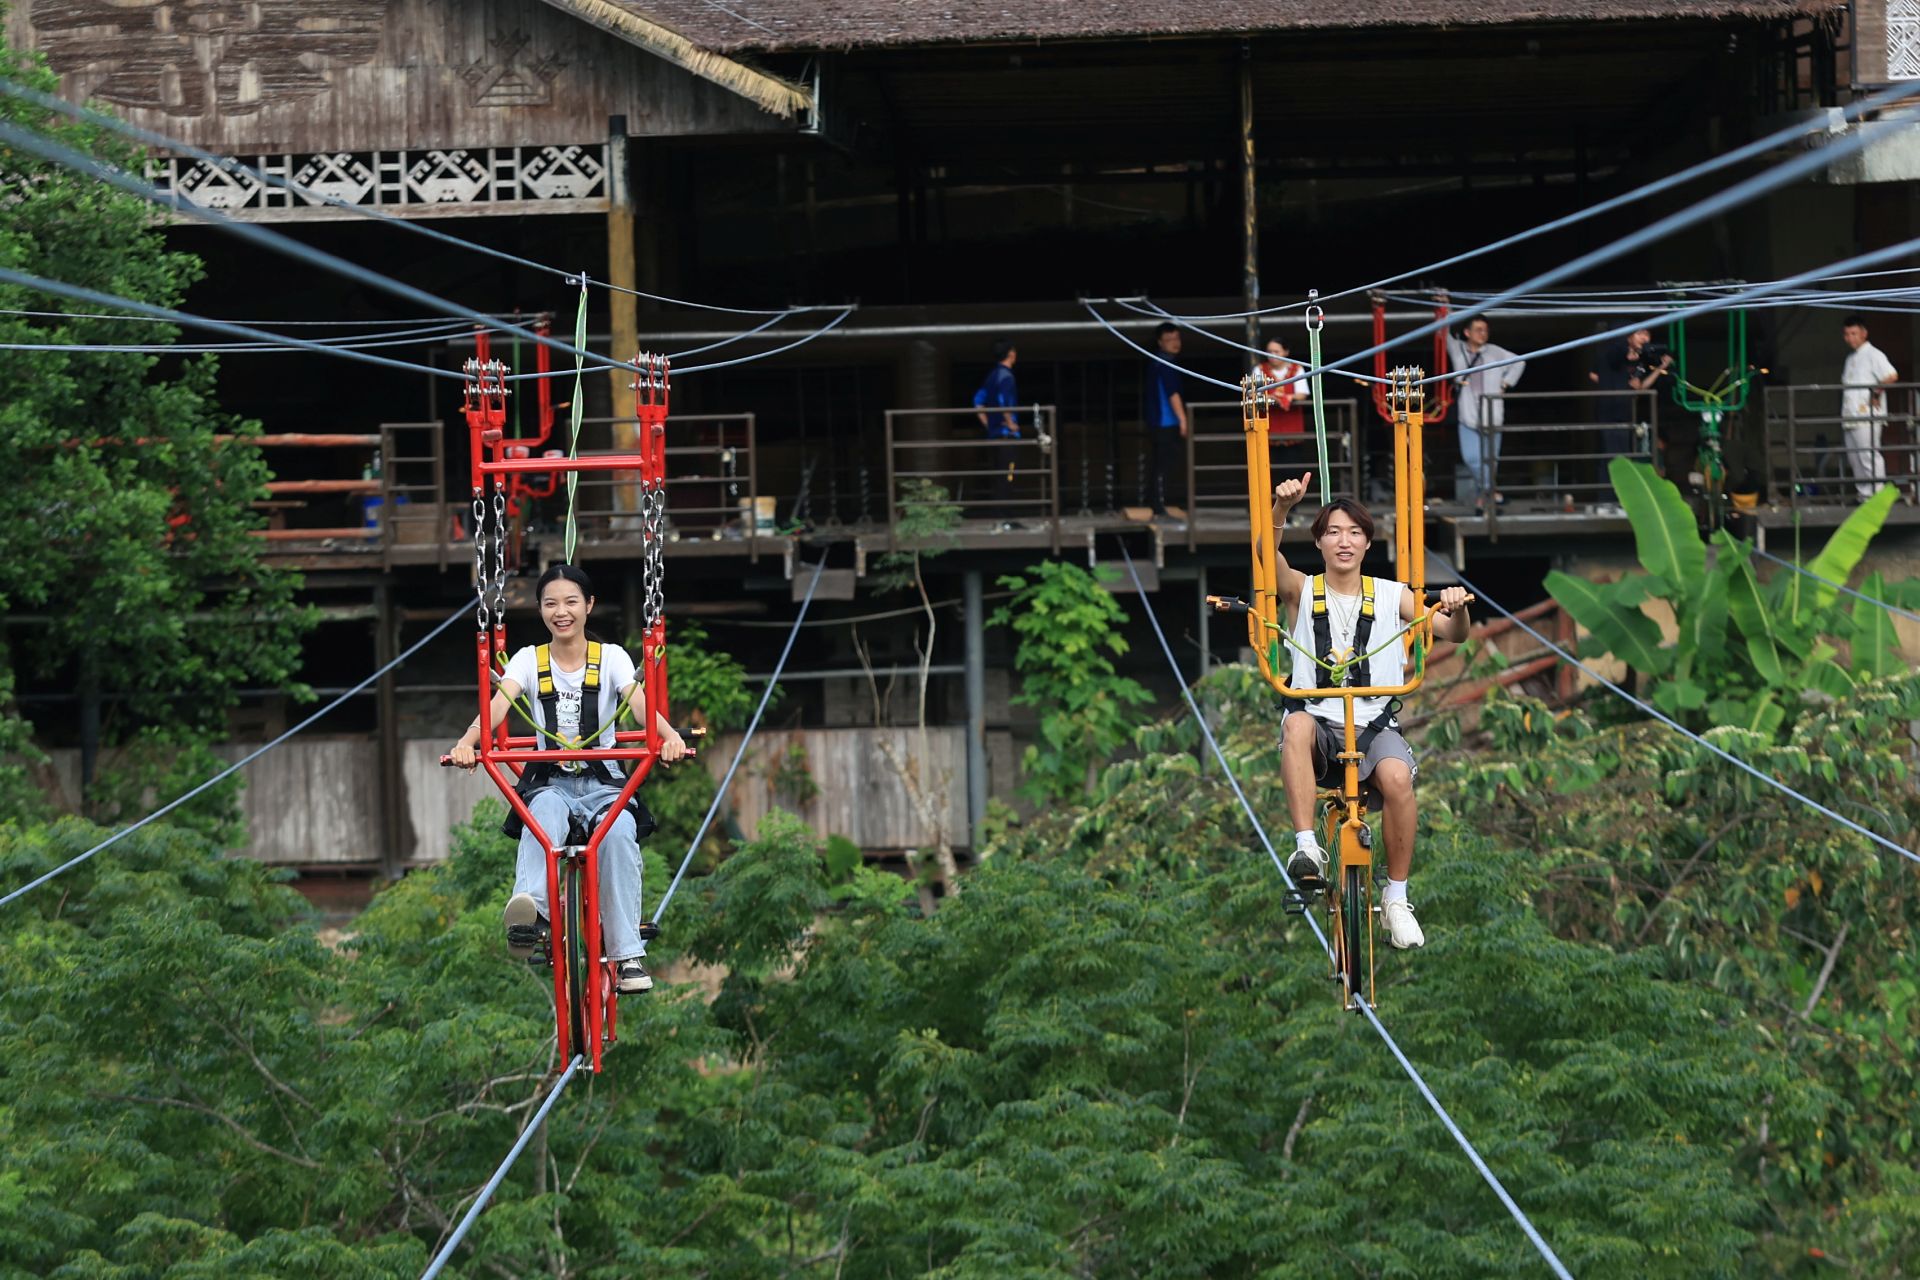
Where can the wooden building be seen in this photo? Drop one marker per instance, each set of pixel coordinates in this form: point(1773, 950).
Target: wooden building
point(963, 171)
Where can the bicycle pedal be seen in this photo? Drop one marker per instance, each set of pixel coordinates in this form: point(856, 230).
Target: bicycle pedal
point(1296, 902)
point(648, 931)
point(541, 957)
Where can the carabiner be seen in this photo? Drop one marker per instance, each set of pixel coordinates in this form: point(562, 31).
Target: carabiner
point(1316, 318)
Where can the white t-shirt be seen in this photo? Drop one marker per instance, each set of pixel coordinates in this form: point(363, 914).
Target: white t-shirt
point(616, 673)
point(1868, 365)
point(1481, 389)
point(1343, 613)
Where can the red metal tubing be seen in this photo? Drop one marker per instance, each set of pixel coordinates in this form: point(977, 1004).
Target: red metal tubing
point(557, 754)
point(522, 466)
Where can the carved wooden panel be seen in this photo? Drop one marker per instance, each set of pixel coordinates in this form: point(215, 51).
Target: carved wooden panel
point(305, 78)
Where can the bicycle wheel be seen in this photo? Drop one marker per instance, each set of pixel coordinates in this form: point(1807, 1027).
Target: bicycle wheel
point(574, 913)
point(1353, 931)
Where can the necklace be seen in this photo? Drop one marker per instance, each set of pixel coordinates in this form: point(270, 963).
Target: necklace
point(1345, 627)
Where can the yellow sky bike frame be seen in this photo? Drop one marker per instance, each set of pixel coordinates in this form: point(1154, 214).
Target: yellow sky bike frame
point(1266, 623)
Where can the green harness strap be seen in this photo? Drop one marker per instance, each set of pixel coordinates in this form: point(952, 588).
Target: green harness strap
point(576, 412)
point(1319, 407)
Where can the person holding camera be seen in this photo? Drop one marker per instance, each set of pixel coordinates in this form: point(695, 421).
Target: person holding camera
point(1637, 366)
point(1481, 405)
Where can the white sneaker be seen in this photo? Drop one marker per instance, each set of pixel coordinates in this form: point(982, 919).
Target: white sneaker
point(1402, 929)
point(1309, 862)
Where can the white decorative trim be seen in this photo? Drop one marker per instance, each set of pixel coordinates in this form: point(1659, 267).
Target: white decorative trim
point(458, 180)
point(1903, 39)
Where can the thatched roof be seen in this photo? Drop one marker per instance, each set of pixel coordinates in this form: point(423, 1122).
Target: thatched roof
point(728, 26)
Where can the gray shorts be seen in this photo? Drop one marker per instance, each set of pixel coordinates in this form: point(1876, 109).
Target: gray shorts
point(1330, 739)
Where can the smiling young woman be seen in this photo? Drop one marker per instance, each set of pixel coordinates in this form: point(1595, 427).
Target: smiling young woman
point(562, 671)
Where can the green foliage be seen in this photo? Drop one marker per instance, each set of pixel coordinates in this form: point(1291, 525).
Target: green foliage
point(791, 775)
point(128, 525)
point(1068, 628)
point(710, 689)
point(1113, 1055)
point(924, 528)
point(708, 684)
point(1654, 848)
point(1746, 653)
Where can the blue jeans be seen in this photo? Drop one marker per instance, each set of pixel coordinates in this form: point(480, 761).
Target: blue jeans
point(581, 796)
point(1477, 472)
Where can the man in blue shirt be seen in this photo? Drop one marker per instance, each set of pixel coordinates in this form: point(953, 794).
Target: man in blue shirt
point(1002, 428)
point(1166, 422)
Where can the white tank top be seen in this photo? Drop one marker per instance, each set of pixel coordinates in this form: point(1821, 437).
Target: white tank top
point(1343, 612)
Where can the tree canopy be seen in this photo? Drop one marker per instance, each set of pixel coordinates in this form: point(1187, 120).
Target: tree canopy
point(129, 530)
point(1113, 1055)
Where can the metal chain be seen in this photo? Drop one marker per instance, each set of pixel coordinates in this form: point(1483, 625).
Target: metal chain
point(482, 617)
point(499, 552)
point(654, 504)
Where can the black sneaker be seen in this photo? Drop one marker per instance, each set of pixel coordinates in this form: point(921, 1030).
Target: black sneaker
point(527, 929)
point(634, 978)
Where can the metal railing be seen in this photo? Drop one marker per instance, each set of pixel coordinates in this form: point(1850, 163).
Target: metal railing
point(1809, 461)
point(1217, 457)
point(919, 441)
point(413, 486)
point(713, 485)
point(1554, 450)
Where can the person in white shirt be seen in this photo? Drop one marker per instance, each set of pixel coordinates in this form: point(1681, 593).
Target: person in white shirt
point(1313, 733)
point(1479, 402)
point(556, 792)
point(1863, 405)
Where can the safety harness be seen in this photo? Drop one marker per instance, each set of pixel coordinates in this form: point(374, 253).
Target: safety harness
point(546, 727)
point(1360, 674)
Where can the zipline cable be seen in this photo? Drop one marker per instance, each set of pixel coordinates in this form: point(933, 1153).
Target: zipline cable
point(1480, 1165)
point(1840, 586)
point(237, 765)
point(1850, 114)
point(228, 164)
point(1675, 725)
point(422, 322)
point(499, 1175)
point(741, 753)
point(1730, 301)
point(81, 293)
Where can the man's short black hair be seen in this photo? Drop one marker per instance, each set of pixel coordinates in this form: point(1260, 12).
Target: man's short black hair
point(1853, 321)
point(1165, 329)
point(1001, 348)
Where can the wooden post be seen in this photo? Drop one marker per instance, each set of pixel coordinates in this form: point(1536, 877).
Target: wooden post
point(623, 307)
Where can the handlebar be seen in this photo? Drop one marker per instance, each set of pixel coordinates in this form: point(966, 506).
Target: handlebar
point(691, 731)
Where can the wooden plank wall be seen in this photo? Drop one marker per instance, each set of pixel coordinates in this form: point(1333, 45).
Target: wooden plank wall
point(314, 801)
point(302, 76)
point(861, 796)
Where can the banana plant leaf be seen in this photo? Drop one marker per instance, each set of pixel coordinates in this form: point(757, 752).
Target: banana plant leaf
point(1665, 533)
point(1627, 634)
point(1849, 542)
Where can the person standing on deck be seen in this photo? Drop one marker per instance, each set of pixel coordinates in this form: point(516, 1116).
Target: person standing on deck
point(998, 393)
point(1481, 407)
point(1863, 405)
point(1167, 422)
